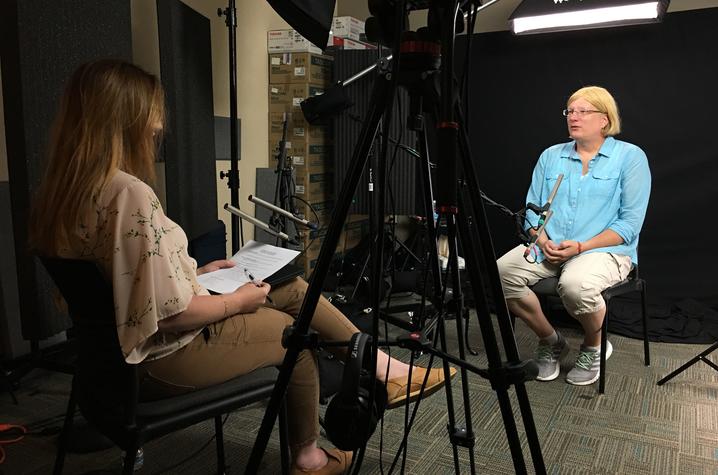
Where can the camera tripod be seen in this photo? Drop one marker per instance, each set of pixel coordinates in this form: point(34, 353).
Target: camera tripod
point(422, 65)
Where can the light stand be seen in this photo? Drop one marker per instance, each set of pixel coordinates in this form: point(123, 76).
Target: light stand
point(230, 14)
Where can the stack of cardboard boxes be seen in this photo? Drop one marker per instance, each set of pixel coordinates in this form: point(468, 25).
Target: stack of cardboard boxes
point(297, 70)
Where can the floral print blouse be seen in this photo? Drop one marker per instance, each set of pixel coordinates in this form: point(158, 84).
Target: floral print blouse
point(144, 255)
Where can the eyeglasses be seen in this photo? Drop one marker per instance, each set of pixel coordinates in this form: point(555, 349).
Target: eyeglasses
point(579, 112)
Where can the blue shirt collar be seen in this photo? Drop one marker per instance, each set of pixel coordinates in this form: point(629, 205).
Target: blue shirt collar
point(569, 150)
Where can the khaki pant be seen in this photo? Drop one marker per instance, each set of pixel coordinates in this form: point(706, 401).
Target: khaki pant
point(242, 343)
point(581, 278)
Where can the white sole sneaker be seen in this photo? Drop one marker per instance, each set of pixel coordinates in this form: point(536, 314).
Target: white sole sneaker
point(609, 351)
point(552, 376)
point(555, 374)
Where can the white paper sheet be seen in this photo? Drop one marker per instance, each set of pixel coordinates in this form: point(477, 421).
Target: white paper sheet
point(261, 260)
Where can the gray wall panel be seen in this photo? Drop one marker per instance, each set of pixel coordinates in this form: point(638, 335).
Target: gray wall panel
point(186, 64)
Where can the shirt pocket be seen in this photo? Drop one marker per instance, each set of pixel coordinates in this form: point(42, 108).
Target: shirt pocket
point(604, 183)
point(551, 178)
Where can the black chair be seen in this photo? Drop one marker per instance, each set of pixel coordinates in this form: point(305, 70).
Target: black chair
point(107, 389)
point(546, 290)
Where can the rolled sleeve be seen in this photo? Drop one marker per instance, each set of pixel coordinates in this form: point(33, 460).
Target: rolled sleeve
point(535, 191)
point(635, 192)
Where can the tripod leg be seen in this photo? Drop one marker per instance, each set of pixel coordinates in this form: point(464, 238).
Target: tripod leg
point(381, 93)
point(492, 350)
point(700, 357)
point(459, 299)
point(504, 321)
point(435, 268)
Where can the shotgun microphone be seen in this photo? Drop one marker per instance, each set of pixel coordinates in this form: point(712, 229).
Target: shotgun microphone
point(283, 212)
point(261, 225)
point(545, 214)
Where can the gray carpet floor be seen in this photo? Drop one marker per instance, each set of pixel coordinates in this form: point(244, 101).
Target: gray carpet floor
point(636, 427)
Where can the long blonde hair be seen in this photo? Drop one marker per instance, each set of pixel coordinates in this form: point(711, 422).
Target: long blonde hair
point(106, 122)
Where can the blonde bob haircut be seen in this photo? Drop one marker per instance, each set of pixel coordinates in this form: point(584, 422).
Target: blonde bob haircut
point(603, 101)
point(108, 119)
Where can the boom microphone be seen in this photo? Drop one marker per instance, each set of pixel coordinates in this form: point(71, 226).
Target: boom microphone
point(258, 223)
point(544, 216)
point(283, 212)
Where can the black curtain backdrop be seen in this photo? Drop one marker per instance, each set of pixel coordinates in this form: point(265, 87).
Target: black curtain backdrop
point(664, 78)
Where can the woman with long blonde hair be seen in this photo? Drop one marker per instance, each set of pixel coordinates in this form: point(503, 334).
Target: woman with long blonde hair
point(95, 204)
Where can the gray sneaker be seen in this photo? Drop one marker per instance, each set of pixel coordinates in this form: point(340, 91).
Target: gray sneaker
point(588, 366)
point(547, 358)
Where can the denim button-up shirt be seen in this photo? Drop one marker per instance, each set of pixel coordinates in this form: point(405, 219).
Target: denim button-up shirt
point(612, 195)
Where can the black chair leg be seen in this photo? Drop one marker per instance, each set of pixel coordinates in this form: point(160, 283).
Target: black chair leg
point(604, 344)
point(284, 439)
point(129, 462)
point(644, 310)
point(219, 437)
point(65, 434)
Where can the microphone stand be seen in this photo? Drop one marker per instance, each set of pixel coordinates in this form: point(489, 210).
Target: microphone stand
point(233, 175)
point(283, 206)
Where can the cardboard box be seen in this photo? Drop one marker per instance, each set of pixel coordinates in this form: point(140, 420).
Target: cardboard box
point(323, 210)
point(284, 41)
point(347, 27)
point(347, 43)
point(288, 97)
point(293, 68)
point(353, 230)
point(314, 186)
point(297, 127)
point(311, 247)
point(302, 152)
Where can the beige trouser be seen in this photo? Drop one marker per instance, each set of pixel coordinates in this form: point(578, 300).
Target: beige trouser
point(581, 281)
point(242, 343)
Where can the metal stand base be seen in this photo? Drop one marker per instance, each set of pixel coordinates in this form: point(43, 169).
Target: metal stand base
point(691, 362)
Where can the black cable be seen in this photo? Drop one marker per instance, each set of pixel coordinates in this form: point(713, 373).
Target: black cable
point(316, 216)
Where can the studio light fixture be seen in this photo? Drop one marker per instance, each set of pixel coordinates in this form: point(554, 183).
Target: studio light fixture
point(543, 16)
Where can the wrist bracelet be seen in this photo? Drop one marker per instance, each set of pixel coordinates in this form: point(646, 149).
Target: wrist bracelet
point(579, 247)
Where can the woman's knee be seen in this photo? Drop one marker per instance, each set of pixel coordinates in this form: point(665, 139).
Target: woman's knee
point(513, 284)
point(505, 270)
point(578, 295)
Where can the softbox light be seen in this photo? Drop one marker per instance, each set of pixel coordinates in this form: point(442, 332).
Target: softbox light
point(311, 18)
point(543, 16)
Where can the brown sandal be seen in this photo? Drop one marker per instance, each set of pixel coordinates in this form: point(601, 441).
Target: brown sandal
point(338, 462)
point(396, 387)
